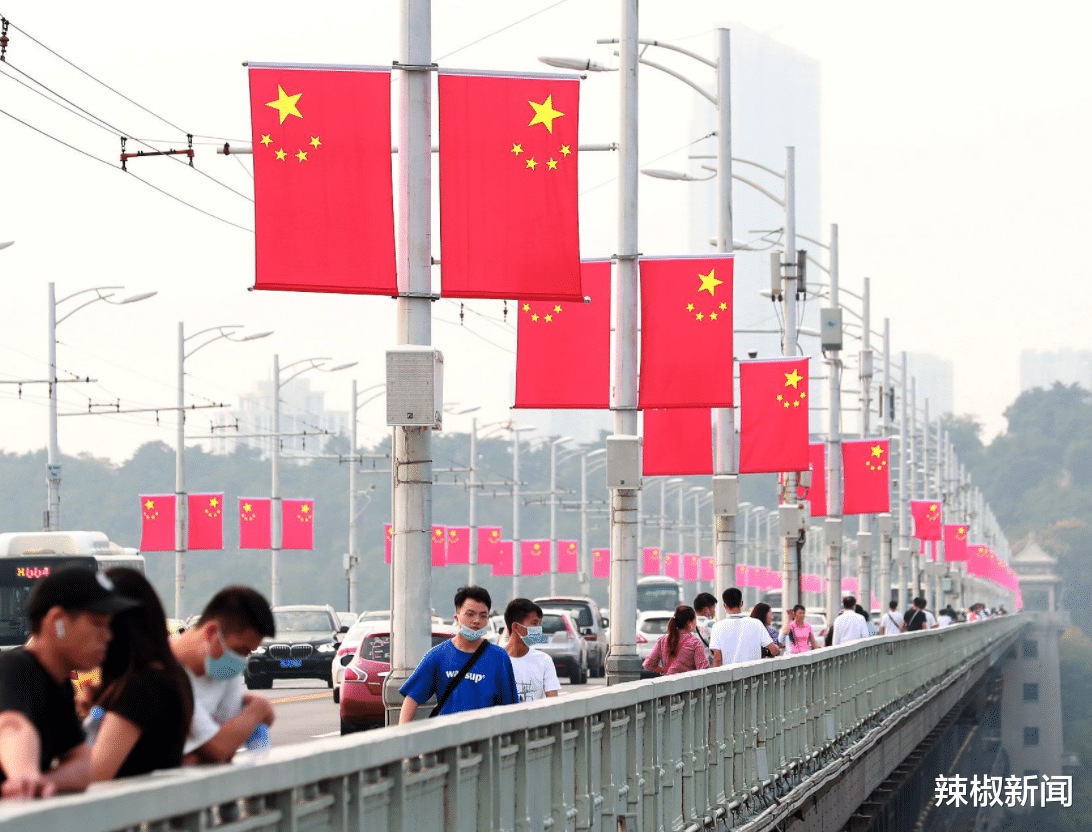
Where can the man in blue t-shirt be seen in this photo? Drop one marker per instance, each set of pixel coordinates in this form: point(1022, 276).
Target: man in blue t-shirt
point(489, 682)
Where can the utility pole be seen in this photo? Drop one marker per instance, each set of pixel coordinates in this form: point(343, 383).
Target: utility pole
point(904, 490)
point(833, 525)
point(790, 567)
point(864, 533)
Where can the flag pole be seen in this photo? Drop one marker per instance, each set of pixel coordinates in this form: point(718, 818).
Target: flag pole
point(887, 400)
point(790, 566)
point(411, 468)
point(833, 524)
point(864, 533)
point(181, 505)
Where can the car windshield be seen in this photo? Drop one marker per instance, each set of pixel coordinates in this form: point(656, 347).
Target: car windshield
point(655, 626)
point(302, 621)
point(377, 648)
point(580, 612)
point(552, 624)
point(357, 631)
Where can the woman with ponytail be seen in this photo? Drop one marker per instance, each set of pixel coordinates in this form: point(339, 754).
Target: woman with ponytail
point(680, 651)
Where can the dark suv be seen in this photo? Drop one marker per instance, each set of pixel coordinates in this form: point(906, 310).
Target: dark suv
point(304, 647)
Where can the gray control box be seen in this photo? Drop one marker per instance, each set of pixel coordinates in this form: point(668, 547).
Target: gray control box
point(623, 461)
point(415, 387)
point(726, 495)
point(830, 328)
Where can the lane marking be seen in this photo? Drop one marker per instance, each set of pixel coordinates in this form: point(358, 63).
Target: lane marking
point(327, 734)
point(324, 695)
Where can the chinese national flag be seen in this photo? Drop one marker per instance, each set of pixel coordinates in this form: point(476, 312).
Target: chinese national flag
point(708, 570)
point(955, 542)
point(297, 524)
point(502, 558)
point(849, 584)
point(508, 191)
point(206, 515)
point(677, 441)
point(600, 563)
point(157, 526)
point(686, 332)
point(323, 203)
point(690, 567)
point(865, 476)
point(817, 493)
point(671, 565)
point(255, 526)
point(977, 559)
point(458, 544)
point(388, 534)
point(534, 557)
point(773, 415)
point(563, 348)
point(651, 561)
point(743, 575)
point(567, 557)
point(489, 539)
point(439, 554)
point(926, 519)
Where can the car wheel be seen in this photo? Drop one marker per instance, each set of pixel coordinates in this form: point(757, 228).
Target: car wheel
point(579, 676)
point(330, 682)
point(337, 694)
point(259, 682)
point(350, 727)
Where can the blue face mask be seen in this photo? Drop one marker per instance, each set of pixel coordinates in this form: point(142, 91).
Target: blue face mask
point(470, 634)
point(228, 666)
point(534, 636)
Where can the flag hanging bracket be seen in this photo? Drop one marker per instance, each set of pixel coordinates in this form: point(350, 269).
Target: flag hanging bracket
point(125, 157)
point(4, 39)
point(416, 67)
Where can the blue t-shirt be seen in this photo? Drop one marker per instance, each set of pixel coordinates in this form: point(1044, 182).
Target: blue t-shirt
point(489, 682)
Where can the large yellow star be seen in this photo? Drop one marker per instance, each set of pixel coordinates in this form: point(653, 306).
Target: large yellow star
point(545, 113)
point(214, 502)
point(286, 104)
point(247, 507)
point(793, 378)
point(149, 504)
point(709, 282)
point(877, 450)
point(305, 508)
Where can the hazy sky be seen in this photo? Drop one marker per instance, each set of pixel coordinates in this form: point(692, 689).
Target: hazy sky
point(954, 159)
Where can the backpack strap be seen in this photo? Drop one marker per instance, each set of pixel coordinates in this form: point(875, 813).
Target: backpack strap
point(459, 677)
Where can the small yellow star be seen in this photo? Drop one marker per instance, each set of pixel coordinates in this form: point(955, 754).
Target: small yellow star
point(534, 317)
point(315, 142)
point(804, 395)
point(709, 282)
point(286, 104)
point(266, 139)
point(552, 164)
point(557, 308)
point(796, 404)
point(689, 307)
point(531, 163)
point(793, 378)
point(723, 307)
point(780, 397)
point(281, 154)
point(526, 307)
point(544, 113)
point(517, 149)
point(712, 316)
point(565, 150)
point(302, 155)
point(700, 316)
point(549, 318)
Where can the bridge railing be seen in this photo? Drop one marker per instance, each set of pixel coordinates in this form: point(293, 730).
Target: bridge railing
point(677, 753)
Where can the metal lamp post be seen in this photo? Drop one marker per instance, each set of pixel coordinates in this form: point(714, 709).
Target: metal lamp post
point(585, 554)
point(553, 511)
point(517, 559)
point(53, 466)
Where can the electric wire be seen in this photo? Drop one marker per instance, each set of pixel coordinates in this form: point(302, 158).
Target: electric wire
point(502, 29)
point(650, 161)
point(475, 334)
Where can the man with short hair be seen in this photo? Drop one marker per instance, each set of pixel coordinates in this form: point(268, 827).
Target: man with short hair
point(489, 681)
point(535, 675)
point(705, 605)
point(918, 618)
point(69, 612)
point(214, 653)
point(891, 623)
point(849, 626)
point(738, 638)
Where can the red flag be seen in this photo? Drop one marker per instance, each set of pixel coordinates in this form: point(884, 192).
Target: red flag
point(458, 545)
point(651, 561)
point(563, 348)
point(255, 527)
point(489, 540)
point(206, 515)
point(926, 519)
point(742, 575)
point(816, 495)
point(600, 563)
point(686, 332)
point(849, 585)
point(773, 415)
point(955, 542)
point(866, 476)
point(671, 565)
point(323, 203)
point(297, 527)
point(568, 557)
point(508, 188)
point(157, 527)
point(677, 441)
point(534, 557)
point(502, 558)
point(388, 534)
point(708, 570)
point(977, 559)
point(439, 554)
point(690, 567)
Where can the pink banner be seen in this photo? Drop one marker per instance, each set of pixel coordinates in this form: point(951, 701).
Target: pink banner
point(600, 563)
point(708, 570)
point(651, 562)
point(568, 552)
point(690, 567)
point(672, 567)
point(502, 558)
point(534, 557)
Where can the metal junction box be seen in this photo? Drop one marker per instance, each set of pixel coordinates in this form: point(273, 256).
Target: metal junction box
point(415, 387)
point(790, 520)
point(623, 462)
point(830, 328)
point(726, 495)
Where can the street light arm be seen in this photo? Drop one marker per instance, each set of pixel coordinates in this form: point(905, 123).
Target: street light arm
point(694, 86)
point(759, 188)
point(662, 45)
point(98, 289)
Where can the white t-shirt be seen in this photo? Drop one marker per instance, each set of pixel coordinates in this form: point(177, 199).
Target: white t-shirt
point(739, 638)
point(944, 620)
point(930, 620)
point(535, 675)
point(849, 626)
point(891, 623)
point(214, 703)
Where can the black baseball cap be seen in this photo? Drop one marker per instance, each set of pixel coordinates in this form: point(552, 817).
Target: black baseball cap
point(77, 588)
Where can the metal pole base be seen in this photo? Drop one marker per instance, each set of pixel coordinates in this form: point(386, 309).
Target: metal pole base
point(623, 669)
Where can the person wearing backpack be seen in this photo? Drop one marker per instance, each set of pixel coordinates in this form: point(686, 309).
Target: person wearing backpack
point(917, 618)
point(465, 672)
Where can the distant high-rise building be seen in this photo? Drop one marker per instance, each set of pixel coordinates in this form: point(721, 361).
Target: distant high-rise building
point(935, 378)
point(1042, 368)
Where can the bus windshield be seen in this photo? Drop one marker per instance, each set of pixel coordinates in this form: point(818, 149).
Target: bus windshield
point(18, 575)
point(658, 596)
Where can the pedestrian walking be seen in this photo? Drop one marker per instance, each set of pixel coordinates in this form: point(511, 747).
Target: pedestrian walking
point(849, 626)
point(738, 638)
point(680, 650)
point(535, 675)
point(891, 623)
point(763, 613)
point(799, 635)
point(917, 618)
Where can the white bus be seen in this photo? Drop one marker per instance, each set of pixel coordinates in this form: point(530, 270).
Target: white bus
point(659, 592)
point(26, 557)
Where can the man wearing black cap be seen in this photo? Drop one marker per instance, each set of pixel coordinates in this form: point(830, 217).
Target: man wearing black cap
point(69, 612)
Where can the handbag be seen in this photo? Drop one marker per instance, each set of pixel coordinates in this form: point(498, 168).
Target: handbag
point(459, 677)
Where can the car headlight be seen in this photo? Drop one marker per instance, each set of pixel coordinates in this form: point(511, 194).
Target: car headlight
point(258, 651)
point(327, 648)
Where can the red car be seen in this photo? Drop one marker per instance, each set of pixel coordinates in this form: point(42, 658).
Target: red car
point(362, 687)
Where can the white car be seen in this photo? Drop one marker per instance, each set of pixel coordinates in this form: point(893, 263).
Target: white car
point(347, 649)
point(650, 626)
